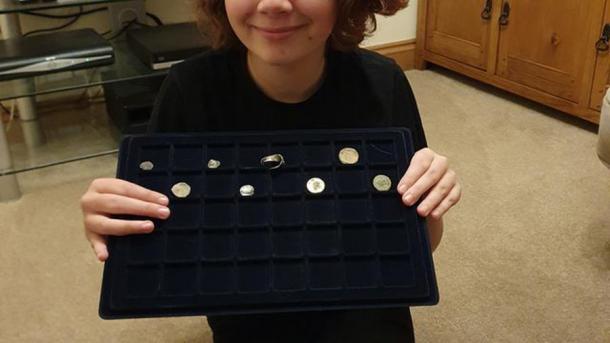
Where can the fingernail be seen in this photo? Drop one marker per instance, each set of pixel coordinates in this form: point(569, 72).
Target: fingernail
point(164, 212)
point(408, 198)
point(164, 200)
point(402, 188)
point(148, 226)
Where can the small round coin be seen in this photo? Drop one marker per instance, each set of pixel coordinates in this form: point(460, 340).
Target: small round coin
point(349, 156)
point(273, 161)
point(382, 183)
point(316, 185)
point(181, 190)
point(246, 190)
point(213, 164)
point(147, 165)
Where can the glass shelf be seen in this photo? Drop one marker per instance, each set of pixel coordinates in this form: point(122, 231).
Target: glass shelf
point(125, 67)
point(13, 6)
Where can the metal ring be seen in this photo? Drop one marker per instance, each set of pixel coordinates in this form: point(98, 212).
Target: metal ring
point(273, 161)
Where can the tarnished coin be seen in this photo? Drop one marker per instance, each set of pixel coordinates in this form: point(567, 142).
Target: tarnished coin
point(316, 185)
point(349, 156)
point(213, 164)
point(181, 190)
point(246, 190)
point(382, 183)
point(147, 165)
point(273, 161)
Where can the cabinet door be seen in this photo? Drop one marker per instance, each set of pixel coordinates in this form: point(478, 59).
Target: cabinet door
point(457, 30)
point(549, 45)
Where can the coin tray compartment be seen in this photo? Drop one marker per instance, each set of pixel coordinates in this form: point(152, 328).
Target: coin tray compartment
point(317, 154)
point(351, 180)
point(382, 151)
point(185, 214)
point(188, 158)
point(158, 154)
point(253, 244)
point(281, 249)
point(182, 246)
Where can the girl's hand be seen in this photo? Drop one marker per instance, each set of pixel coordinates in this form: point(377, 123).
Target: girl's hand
point(429, 175)
point(107, 197)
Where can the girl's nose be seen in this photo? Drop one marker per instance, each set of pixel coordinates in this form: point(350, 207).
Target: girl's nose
point(275, 7)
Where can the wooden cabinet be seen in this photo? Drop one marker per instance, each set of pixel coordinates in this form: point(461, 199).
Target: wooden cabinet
point(544, 50)
point(449, 35)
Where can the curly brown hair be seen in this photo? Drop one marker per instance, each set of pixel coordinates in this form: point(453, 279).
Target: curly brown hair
point(355, 21)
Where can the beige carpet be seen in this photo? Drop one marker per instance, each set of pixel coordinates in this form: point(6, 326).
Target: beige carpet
point(525, 257)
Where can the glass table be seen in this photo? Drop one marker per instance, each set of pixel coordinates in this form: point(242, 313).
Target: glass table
point(125, 68)
point(14, 6)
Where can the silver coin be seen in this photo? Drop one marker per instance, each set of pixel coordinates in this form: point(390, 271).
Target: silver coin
point(349, 156)
point(181, 190)
point(246, 190)
point(382, 183)
point(213, 164)
point(316, 185)
point(273, 161)
point(147, 165)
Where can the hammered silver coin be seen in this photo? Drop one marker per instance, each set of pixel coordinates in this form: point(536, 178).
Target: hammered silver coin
point(181, 190)
point(316, 185)
point(349, 156)
point(213, 164)
point(147, 165)
point(382, 183)
point(246, 190)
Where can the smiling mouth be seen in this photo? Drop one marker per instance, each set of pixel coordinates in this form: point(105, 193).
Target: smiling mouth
point(277, 32)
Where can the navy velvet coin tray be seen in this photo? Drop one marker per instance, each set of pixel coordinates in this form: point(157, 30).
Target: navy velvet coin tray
point(284, 248)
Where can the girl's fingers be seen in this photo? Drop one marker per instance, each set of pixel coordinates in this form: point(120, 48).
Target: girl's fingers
point(438, 193)
point(102, 225)
point(431, 177)
point(451, 199)
point(129, 190)
point(118, 204)
point(419, 164)
point(98, 244)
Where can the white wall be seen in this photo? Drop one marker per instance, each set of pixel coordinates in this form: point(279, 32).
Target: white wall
point(401, 26)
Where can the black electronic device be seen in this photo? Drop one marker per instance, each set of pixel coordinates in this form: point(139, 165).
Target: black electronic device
point(130, 103)
point(270, 221)
point(160, 47)
point(53, 52)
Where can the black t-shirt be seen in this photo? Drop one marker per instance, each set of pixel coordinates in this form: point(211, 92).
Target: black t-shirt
point(215, 92)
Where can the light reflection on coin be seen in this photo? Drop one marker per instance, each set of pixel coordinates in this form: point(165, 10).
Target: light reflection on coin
point(349, 156)
point(382, 183)
point(213, 164)
point(181, 190)
point(316, 185)
point(147, 165)
point(246, 190)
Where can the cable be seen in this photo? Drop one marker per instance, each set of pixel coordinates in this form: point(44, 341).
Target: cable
point(125, 27)
point(53, 164)
point(70, 22)
point(156, 19)
point(65, 16)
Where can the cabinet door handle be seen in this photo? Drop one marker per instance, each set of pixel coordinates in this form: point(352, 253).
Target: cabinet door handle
point(602, 44)
point(505, 14)
point(486, 14)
